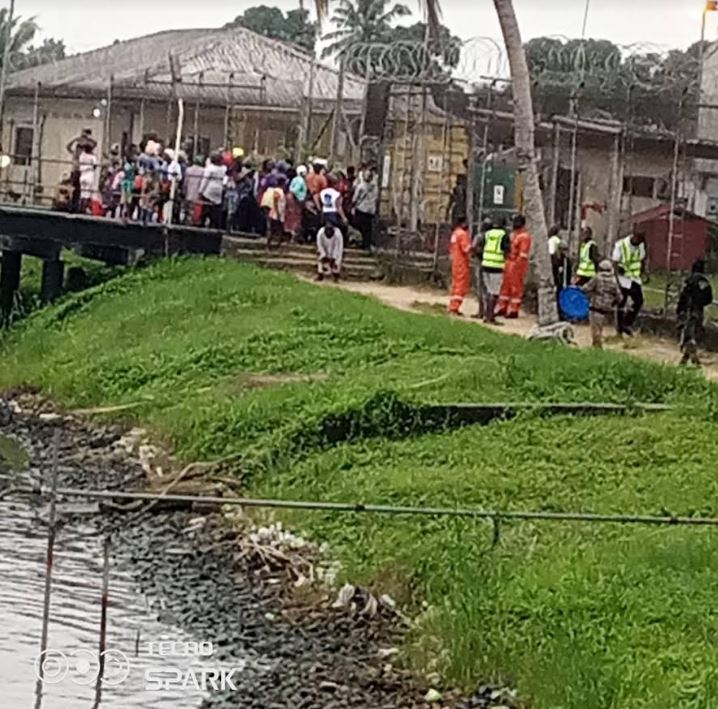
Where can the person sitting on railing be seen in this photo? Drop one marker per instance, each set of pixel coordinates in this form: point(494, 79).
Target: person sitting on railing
point(212, 190)
point(62, 201)
point(77, 147)
point(87, 163)
point(192, 184)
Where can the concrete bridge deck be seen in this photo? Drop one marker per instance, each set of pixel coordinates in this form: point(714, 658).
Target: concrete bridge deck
point(43, 233)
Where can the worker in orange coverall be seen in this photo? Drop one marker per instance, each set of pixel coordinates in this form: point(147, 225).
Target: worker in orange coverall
point(516, 270)
point(460, 251)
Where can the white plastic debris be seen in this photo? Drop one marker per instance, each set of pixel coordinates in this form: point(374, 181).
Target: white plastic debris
point(131, 440)
point(384, 652)
point(147, 455)
point(372, 607)
point(345, 597)
point(432, 696)
point(387, 601)
point(274, 535)
point(302, 581)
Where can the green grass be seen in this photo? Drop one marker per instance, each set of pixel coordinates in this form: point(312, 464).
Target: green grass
point(225, 359)
point(576, 615)
point(655, 289)
point(28, 297)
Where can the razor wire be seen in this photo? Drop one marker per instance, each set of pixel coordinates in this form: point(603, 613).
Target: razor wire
point(640, 82)
point(417, 62)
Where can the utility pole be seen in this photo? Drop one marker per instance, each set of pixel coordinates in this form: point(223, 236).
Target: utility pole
point(339, 107)
point(710, 6)
point(471, 165)
point(5, 61)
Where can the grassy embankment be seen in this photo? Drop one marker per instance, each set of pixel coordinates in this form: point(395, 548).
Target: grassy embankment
point(28, 297)
point(655, 291)
point(226, 358)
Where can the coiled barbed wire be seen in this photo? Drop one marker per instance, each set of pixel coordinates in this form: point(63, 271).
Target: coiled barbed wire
point(560, 58)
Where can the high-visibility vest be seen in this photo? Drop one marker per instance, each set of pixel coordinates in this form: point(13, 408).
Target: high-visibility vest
point(494, 256)
point(586, 267)
point(631, 259)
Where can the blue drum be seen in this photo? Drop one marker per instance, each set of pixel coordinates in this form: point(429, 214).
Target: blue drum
point(573, 303)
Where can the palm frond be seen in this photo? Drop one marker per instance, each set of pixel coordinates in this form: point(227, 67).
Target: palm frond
point(396, 11)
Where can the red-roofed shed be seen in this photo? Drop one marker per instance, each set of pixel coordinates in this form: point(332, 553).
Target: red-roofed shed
point(690, 237)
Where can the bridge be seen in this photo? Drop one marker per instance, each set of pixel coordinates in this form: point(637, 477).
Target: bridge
point(44, 234)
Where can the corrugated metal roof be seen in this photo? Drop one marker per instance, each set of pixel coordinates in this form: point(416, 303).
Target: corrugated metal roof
point(662, 211)
point(214, 66)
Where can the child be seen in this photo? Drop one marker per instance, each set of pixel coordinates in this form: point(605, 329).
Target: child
point(127, 187)
point(604, 294)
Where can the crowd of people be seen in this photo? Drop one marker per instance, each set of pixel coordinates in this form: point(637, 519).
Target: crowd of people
point(227, 190)
point(613, 286)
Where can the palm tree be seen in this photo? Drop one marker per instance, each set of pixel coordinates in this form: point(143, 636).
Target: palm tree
point(526, 157)
point(430, 8)
point(21, 33)
point(361, 22)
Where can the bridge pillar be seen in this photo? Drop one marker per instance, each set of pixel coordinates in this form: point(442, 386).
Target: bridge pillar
point(52, 274)
point(9, 280)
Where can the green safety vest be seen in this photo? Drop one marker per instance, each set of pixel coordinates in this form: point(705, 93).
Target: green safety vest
point(631, 259)
point(494, 256)
point(586, 267)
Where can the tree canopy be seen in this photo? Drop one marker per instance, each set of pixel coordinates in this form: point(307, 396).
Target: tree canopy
point(293, 27)
point(645, 87)
point(368, 37)
point(23, 53)
point(362, 22)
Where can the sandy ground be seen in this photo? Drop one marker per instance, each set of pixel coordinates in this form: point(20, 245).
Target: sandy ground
point(422, 299)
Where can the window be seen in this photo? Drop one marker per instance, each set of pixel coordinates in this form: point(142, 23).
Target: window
point(203, 145)
point(23, 145)
point(638, 186)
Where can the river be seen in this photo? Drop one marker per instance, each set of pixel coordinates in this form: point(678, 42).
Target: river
point(133, 631)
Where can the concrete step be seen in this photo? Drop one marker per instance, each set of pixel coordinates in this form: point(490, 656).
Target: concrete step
point(300, 256)
point(349, 273)
point(290, 264)
point(231, 243)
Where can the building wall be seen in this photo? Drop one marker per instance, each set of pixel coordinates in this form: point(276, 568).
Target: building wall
point(261, 133)
point(651, 174)
point(708, 117)
point(705, 193)
point(59, 121)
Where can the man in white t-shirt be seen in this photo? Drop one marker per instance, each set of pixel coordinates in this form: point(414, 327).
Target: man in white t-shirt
point(629, 258)
point(330, 245)
point(329, 200)
point(554, 240)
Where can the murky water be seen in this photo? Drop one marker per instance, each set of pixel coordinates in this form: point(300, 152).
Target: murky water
point(133, 633)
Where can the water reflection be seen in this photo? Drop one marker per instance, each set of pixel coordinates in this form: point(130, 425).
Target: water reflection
point(132, 630)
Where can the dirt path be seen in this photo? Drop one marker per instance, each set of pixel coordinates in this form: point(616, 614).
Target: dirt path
point(415, 299)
